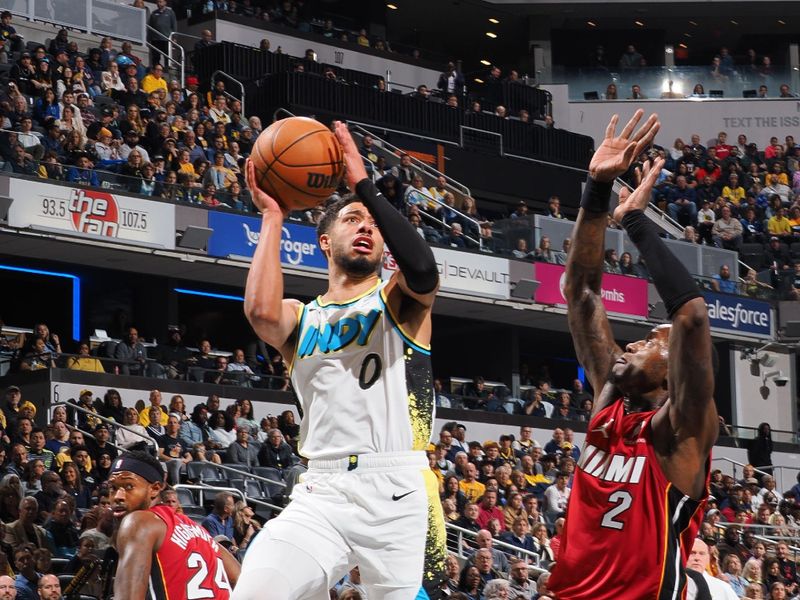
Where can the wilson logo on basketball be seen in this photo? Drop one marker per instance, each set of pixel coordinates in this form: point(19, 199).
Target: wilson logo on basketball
point(320, 180)
point(94, 212)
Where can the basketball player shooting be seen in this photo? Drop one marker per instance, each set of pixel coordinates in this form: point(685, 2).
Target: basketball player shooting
point(360, 365)
point(639, 489)
point(162, 555)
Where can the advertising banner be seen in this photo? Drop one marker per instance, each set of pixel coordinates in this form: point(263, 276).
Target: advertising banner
point(740, 315)
point(621, 294)
point(91, 213)
point(237, 235)
point(465, 272)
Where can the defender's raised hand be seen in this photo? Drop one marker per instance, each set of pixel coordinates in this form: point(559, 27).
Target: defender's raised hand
point(639, 198)
point(616, 154)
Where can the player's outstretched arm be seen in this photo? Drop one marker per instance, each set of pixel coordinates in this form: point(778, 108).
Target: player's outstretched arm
point(419, 276)
point(591, 331)
point(140, 534)
point(687, 425)
point(273, 318)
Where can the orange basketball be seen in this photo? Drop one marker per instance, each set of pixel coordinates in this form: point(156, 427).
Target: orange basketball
point(298, 161)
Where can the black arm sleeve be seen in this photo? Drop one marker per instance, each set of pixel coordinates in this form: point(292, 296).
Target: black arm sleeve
point(410, 251)
point(673, 282)
point(596, 196)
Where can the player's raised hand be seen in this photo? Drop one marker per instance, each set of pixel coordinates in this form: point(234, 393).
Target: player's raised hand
point(639, 198)
point(265, 203)
point(353, 161)
point(617, 152)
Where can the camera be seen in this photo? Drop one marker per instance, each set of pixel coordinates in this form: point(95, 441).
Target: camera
point(781, 381)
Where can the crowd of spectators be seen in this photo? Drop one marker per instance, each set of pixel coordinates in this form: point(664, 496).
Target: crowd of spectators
point(738, 197)
point(515, 491)
point(538, 397)
point(68, 116)
point(510, 493)
point(722, 76)
point(259, 366)
point(55, 508)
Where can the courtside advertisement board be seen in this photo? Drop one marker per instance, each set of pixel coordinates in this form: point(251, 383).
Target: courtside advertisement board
point(236, 236)
point(463, 272)
point(745, 316)
point(91, 213)
point(621, 294)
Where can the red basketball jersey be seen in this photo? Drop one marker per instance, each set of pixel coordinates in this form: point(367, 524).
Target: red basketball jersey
point(186, 566)
point(628, 530)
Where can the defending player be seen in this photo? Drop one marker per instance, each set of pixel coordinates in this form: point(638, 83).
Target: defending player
point(162, 555)
point(638, 493)
point(360, 364)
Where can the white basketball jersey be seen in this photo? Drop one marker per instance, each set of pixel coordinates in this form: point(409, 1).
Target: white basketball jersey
point(364, 386)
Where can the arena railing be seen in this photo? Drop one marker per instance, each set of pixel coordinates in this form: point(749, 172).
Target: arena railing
point(171, 45)
point(766, 540)
point(412, 114)
point(508, 549)
point(234, 80)
point(781, 484)
point(110, 422)
point(154, 369)
point(454, 186)
point(743, 82)
point(224, 467)
point(98, 17)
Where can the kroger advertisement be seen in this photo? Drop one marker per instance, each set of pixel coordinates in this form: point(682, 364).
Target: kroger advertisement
point(237, 236)
point(621, 294)
point(740, 315)
point(93, 213)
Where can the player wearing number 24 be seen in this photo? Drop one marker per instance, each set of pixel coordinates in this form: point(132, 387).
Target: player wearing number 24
point(163, 555)
point(642, 479)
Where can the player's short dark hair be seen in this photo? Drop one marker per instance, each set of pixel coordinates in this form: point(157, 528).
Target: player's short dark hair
point(37, 430)
point(563, 474)
point(332, 209)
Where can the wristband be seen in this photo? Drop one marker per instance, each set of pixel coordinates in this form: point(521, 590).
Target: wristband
point(596, 195)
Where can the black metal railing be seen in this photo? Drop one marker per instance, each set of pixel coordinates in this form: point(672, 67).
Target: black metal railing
point(305, 92)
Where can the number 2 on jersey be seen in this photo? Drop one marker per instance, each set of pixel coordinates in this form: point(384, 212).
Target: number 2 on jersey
point(623, 500)
point(194, 587)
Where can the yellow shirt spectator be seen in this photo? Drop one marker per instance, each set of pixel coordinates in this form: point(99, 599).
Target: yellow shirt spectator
point(154, 81)
point(473, 491)
point(733, 195)
point(144, 416)
point(779, 225)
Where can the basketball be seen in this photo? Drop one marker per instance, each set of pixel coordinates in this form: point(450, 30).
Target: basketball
point(298, 161)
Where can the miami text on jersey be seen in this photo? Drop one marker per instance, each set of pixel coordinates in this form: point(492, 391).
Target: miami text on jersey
point(337, 336)
point(611, 467)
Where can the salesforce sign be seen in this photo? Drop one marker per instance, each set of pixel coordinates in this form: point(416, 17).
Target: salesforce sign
point(741, 315)
point(236, 236)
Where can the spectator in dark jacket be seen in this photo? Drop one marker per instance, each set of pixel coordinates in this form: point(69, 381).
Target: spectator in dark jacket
point(759, 449)
point(275, 452)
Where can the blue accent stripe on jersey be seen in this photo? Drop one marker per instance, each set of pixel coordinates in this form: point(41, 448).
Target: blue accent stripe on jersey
point(422, 595)
point(298, 340)
point(318, 300)
point(398, 329)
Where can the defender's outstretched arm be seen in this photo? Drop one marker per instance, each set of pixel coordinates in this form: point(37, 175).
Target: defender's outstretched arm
point(588, 322)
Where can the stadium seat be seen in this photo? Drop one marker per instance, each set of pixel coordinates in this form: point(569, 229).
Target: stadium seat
point(186, 497)
point(203, 471)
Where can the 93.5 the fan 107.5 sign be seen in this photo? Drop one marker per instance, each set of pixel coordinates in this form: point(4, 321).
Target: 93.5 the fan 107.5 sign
point(91, 213)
